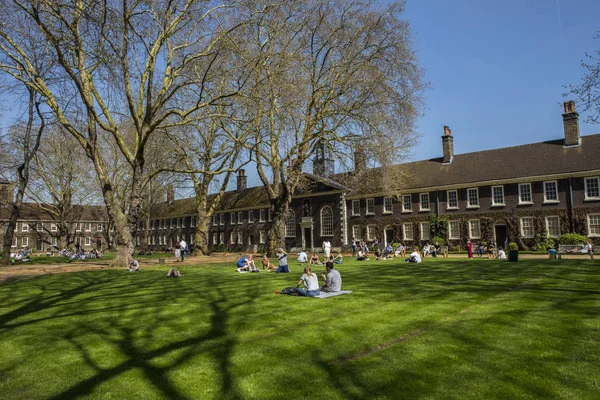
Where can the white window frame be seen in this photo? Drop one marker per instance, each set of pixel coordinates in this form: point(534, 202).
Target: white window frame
point(54, 241)
point(421, 208)
point(472, 235)
point(250, 216)
point(585, 181)
point(546, 200)
point(77, 226)
point(425, 228)
point(370, 210)
point(88, 226)
point(222, 220)
point(53, 227)
point(240, 217)
point(24, 241)
point(232, 218)
point(99, 227)
point(448, 206)
point(24, 227)
point(232, 238)
point(290, 232)
point(357, 232)
point(178, 223)
point(240, 238)
point(371, 232)
point(193, 222)
point(261, 237)
point(14, 242)
point(453, 235)
point(261, 215)
point(521, 226)
point(171, 223)
point(215, 219)
point(326, 221)
point(39, 227)
point(521, 201)
point(183, 221)
point(404, 202)
point(88, 241)
point(404, 232)
point(557, 218)
point(269, 215)
point(355, 208)
point(589, 225)
point(469, 204)
point(222, 237)
point(498, 204)
point(388, 205)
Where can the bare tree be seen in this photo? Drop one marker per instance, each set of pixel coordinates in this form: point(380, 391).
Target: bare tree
point(62, 179)
point(341, 73)
point(587, 93)
point(132, 56)
point(27, 140)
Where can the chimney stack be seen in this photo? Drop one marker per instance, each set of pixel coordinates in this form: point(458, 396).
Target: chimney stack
point(571, 124)
point(360, 161)
point(170, 194)
point(7, 192)
point(447, 146)
point(242, 180)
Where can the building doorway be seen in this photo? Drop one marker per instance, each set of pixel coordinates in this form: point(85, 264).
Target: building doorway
point(307, 241)
point(39, 245)
point(388, 235)
point(500, 235)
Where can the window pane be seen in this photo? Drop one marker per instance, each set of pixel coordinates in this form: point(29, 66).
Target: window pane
point(425, 231)
point(424, 201)
point(290, 226)
point(356, 232)
point(408, 232)
point(592, 189)
point(473, 196)
point(453, 230)
point(326, 221)
point(553, 226)
point(498, 195)
point(550, 191)
point(525, 193)
point(474, 229)
point(594, 224)
point(387, 204)
point(355, 207)
point(370, 206)
point(527, 227)
point(452, 199)
point(406, 203)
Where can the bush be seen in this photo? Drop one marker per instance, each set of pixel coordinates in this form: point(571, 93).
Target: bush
point(513, 246)
point(219, 248)
point(572, 238)
point(395, 245)
point(438, 239)
point(543, 242)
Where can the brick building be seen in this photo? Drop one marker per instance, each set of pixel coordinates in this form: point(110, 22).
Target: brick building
point(516, 194)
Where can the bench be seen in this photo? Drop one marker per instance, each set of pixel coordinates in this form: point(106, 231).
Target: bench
point(573, 249)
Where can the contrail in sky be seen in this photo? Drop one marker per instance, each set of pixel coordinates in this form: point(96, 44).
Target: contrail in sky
point(559, 20)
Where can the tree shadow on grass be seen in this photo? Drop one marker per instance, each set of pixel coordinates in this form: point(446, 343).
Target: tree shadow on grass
point(217, 342)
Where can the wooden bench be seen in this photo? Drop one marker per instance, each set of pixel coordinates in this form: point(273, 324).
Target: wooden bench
point(573, 249)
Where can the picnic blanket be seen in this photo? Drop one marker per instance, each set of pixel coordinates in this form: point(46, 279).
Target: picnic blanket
point(324, 295)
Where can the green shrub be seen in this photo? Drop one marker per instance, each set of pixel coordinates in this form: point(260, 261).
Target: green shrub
point(438, 239)
point(395, 245)
point(458, 248)
point(572, 238)
point(513, 246)
point(219, 248)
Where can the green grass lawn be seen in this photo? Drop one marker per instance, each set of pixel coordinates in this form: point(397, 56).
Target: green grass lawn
point(443, 329)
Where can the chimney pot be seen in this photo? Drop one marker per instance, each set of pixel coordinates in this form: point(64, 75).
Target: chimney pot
point(447, 131)
point(242, 180)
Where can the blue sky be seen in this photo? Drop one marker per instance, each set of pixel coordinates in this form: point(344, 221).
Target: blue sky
point(498, 68)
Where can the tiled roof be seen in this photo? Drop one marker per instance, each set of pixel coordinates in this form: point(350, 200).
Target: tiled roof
point(536, 159)
point(35, 212)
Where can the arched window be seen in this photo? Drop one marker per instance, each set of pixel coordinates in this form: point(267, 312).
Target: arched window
point(326, 221)
point(290, 225)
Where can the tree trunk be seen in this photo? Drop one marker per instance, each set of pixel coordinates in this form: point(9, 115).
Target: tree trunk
point(201, 237)
point(10, 228)
point(276, 233)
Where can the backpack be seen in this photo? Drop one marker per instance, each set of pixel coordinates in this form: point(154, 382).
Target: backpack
point(290, 290)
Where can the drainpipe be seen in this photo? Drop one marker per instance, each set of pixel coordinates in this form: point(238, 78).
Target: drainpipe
point(570, 180)
point(437, 202)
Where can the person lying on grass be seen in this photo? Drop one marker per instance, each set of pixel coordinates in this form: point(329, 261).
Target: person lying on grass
point(246, 263)
point(267, 264)
point(310, 282)
point(333, 279)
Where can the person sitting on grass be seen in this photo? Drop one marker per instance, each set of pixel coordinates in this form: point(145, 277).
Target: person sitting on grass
point(134, 265)
point(333, 279)
point(302, 257)
point(311, 284)
point(338, 259)
point(388, 250)
point(267, 264)
point(501, 253)
point(362, 256)
point(400, 251)
point(246, 264)
point(283, 261)
point(414, 257)
point(314, 260)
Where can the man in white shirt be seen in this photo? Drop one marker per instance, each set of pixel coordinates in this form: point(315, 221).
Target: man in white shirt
point(501, 253)
point(302, 257)
point(182, 249)
point(414, 257)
